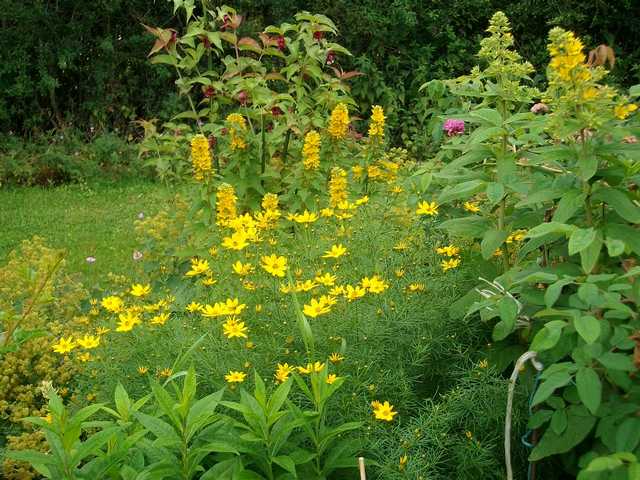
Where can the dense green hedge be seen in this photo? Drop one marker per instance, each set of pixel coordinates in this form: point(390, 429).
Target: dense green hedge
point(72, 61)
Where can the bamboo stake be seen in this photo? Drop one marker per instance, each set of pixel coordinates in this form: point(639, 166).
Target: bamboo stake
point(363, 473)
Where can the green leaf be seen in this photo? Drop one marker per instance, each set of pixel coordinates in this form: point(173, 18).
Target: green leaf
point(549, 385)
point(558, 421)
point(287, 463)
point(461, 190)
point(580, 239)
point(550, 227)
point(589, 256)
point(620, 202)
point(553, 291)
point(541, 196)
point(93, 444)
point(589, 388)
point(588, 328)
point(617, 361)
point(628, 435)
point(579, 424)
point(495, 192)
point(548, 336)
point(491, 241)
point(161, 429)
point(489, 116)
point(568, 205)
point(615, 247)
point(588, 166)
point(472, 226)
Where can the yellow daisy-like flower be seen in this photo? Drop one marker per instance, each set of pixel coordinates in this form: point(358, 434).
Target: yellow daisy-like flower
point(165, 372)
point(383, 411)
point(332, 377)
point(305, 217)
point(376, 127)
point(336, 251)
point(84, 357)
point(471, 207)
point(623, 111)
point(427, 208)
point(282, 372)
point(112, 304)
point(415, 287)
point(316, 308)
point(233, 328)
point(194, 307)
point(89, 341)
point(140, 290)
point(327, 279)
point(275, 265)
point(337, 291)
point(315, 367)
point(375, 284)
point(449, 250)
point(143, 370)
point(311, 151)
point(64, 345)
point(326, 212)
point(339, 122)
point(237, 241)
point(208, 281)
point(102, 330)
point(353, 293)
point(336, 358)
point(516, 236)
point(160, 319)
point(198, 267)
point(450, 264)
point(235, 377)
point(127, 320)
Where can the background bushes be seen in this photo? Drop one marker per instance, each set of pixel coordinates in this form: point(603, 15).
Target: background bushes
point(73, 63)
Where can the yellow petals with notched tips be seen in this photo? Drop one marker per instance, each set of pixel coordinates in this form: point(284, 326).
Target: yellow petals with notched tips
point(198, 267)
point(282, 372)
point(242, 269)
point(275, 265)
point(89, 341)
point(336, 251)
point(235, 377)
point(233, 328)
point(448, 251)
point(317, 307)
point(316, 367)
point(383, 411)
point(375, 284)
point(160, 319)
point(304, 217)
point(427, 208)
point(352, 293)
point(127, 320)
point(450, 264)
point(64, 345)
point(112, 304)
point(140, 290)
point(327, 279)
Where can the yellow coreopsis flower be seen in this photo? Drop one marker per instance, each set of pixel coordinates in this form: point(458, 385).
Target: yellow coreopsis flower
point(449, 250)
point(64, 345)
point(127, 320)
point(383, 411)
point(235, 377)
point(375, 284)
point(336, 358)
point(311, 151)
point(200, 157)
point(352, 293)
point(282, 372)
point(142, 370)
point(232, 306)
point(376, 127)
point(275, 265)
point(112, 303)
point(233, 328)
point(305, 217)
point(332, 377)
point(237, 241)
point(415, 287)
point(471, 207)
point(160, 319)
point(89, 341)
point(237, 127)
point(327, 279)
point(337, 290)
point(194, 307)
point(102, 330)
point(198, 267)
point(427, 208)
point(336, 251)
point(242, 269)
point(623, 111)
point(315, 367)
point(316, 308)
point(339, 122)
point(165, 372)
point(450, 264)
point(140, 290)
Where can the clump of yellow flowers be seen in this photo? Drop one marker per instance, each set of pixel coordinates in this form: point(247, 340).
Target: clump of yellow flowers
point(200, 157)
point(376, 127)
point(311, 151)
point(225, 204)
point(339, 122)
point(337, 187)
point(237, 126)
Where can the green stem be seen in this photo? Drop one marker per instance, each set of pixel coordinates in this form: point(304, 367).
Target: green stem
point(263, 145)
point(285, 148)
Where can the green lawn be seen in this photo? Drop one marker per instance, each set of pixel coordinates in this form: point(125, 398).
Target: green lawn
point(85, 220)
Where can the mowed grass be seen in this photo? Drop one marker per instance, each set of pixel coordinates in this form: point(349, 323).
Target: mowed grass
point(85, 220)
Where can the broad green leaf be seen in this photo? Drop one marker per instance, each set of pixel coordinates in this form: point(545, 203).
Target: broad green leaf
point(620, 202)
point(589, 388)
point(461, 190)
point(488, 116)
point(541, 196)
point(568, 205)
point(553, 291)
point(550, 227)
point(588, 166)
point(580, 423)
point(628, 435)
point(588, 327)
point(549, 385)
point(558, 421)
point(287, 463)
point(491, 241)
point(472, 226)
point(580, 239)
point(615, 247)
point(589, 256)
point(548, 336)
point(495, 192)
point(617, 361)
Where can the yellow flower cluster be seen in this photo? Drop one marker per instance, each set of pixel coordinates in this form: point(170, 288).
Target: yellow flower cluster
point(225, 204)
point(567, 57)
point(376, 127)
point(624, 110)
point(453, 261)
point(337, 187)
point(339, 122)
point(237, 126)
point(200, 157)
point(311, 151)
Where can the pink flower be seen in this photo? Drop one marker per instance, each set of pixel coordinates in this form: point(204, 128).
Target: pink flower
point(453, 127)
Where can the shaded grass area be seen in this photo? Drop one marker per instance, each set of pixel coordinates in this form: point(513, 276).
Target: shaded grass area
point(85, 220)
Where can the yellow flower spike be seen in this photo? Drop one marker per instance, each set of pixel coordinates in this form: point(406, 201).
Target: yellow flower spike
point(376, 127)
point(237, 126)
point(225, 204)
point(311, 151)
point(337, 188)
point(339, 122)
point(383, 411)
point(200, 157)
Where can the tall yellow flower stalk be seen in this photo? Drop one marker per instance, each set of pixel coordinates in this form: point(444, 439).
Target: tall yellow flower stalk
point(270, 201)
point(200, 157)
point(567, 56)
point(225, 204)
point(237, 127)
point(376, 127)
point(311, 151)
point(339, 122)
point(337, 187)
